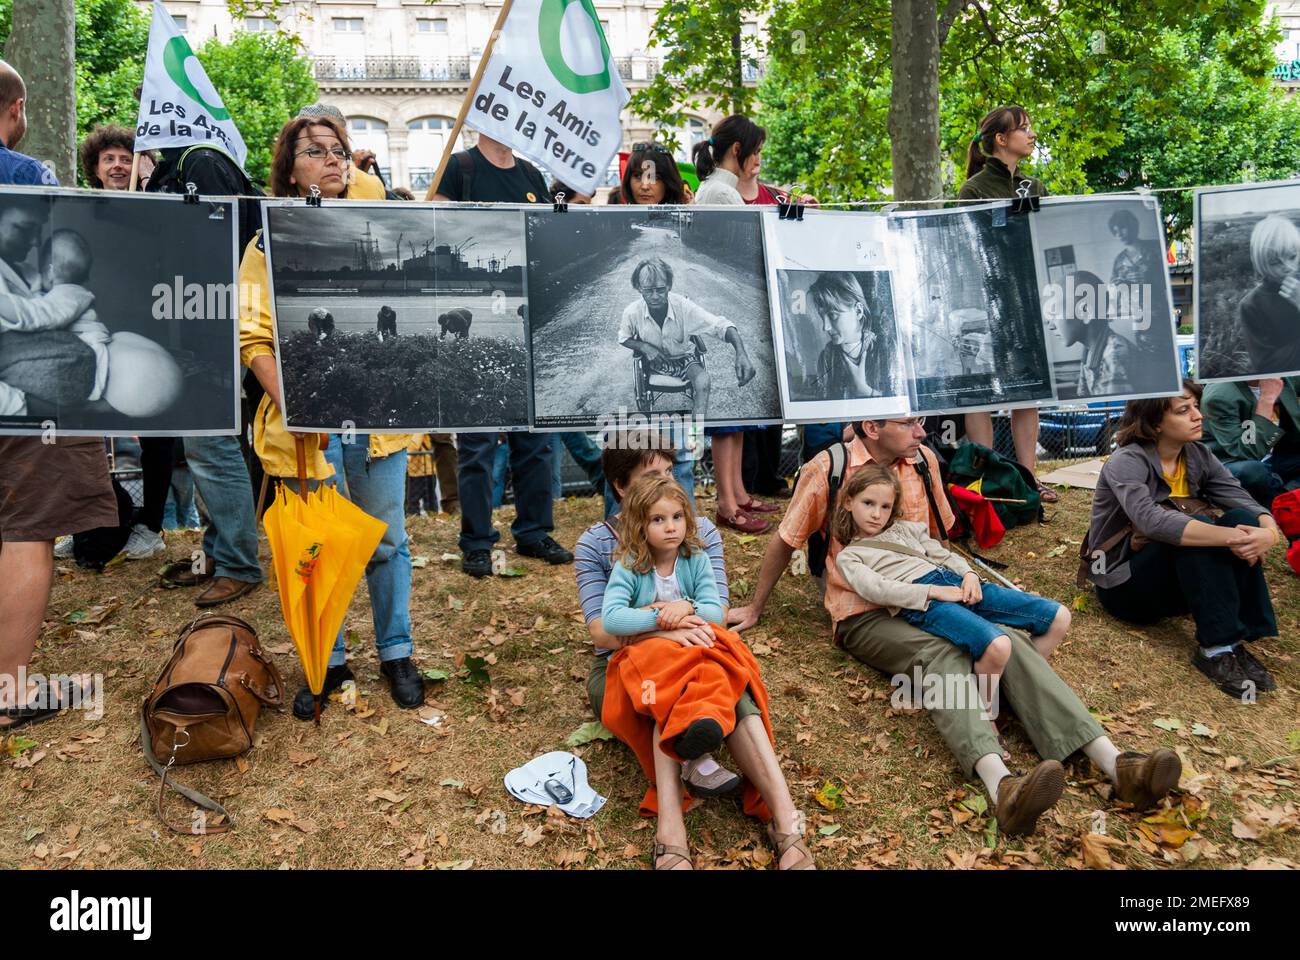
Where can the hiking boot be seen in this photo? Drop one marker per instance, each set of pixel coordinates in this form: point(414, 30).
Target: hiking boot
point(304, 703)
point(1143, 779)
point(1255, 670)
point(1022, 799)
point(545, 549)
point(63, 549)
point(1225, 672)
point(717, 783)
point(404, 682)
point(223, 590)
point(477, 563)
point(143, 543)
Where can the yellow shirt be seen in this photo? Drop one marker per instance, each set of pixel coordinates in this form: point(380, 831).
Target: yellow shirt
point(271, 441)
point(364, 186)
point(1178, 480)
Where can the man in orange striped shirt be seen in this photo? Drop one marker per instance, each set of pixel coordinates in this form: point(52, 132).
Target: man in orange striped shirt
point(1057, 723)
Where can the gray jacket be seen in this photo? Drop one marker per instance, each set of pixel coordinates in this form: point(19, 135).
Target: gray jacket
point(1132, 487)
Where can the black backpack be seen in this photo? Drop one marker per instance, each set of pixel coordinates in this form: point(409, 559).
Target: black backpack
point(173, 180)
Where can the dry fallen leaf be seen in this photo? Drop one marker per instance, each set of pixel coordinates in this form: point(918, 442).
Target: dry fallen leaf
point(1096, 851)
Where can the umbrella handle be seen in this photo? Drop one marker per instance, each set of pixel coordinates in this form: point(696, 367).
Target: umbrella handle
point(300, 447)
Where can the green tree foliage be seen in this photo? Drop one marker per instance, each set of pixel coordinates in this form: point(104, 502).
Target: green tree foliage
point(1123, 93)
point(264, 78)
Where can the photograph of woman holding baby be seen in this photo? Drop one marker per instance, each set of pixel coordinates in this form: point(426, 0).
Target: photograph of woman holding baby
point(105, 331)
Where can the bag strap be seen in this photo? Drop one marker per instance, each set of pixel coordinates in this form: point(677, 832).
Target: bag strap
point(187, 792)
point(838, 453)
point(894, 548)
point(466, 164)
point(922, 466)
point(1085, 554)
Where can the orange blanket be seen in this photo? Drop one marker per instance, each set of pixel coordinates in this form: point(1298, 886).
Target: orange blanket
point(662, 682)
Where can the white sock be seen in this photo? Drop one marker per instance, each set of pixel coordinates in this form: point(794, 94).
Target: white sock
point(991, 770)
point(1104, 754)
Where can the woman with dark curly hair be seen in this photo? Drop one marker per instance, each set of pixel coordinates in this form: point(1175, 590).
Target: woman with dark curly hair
point(106, 155)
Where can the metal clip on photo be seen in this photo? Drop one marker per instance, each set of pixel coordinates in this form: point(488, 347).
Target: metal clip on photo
point(789, 211)
point(191, 193)
point(1023, 203)
point(313, 200)
point(560, 205)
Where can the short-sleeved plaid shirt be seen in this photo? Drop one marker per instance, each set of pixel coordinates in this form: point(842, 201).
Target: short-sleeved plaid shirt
point(806, 515)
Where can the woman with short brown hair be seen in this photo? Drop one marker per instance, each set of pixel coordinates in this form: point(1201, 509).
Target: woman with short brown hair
point(1155, 549)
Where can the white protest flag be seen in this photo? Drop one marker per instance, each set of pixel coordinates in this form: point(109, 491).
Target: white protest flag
point(178, 105)
point(551, 91)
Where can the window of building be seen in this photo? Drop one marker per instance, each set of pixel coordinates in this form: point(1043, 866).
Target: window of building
point(369, 133)
point(182, 22)
point(688, 135)
point(424, 147)
point(349, 24)
point(260, 24)
point(431, 25)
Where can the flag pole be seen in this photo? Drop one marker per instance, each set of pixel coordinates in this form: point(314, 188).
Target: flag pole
point(135, 173)
point(450, 148)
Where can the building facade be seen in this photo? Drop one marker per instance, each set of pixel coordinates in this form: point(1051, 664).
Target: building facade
point(399, 69)
point(1287, 71)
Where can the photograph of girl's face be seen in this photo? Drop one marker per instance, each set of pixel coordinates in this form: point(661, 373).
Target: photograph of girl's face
point(842, 324)
point(1124, 231)
point(1282, 262)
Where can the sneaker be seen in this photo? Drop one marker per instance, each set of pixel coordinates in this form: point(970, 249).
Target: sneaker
point(1143, 779)
point(717, 783)
point(1225, 672)
point(304, 702)
point(143, 543)
point(545, 549)
point(63, 549)
point(404, 682)
point(1255, 670)
point(1022, 799)
point(477, 563)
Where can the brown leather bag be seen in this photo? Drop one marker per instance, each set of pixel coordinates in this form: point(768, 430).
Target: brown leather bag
point(205, 703)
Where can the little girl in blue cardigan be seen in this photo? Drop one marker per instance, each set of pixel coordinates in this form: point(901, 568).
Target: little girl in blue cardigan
point(662, 580)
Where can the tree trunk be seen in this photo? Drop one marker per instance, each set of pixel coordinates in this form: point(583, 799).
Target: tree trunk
point(41, 48)
point(914, 100)
point(737, 78)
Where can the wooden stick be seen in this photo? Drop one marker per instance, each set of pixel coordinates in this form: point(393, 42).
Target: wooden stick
point(1002, 500)
point(450, 148)
point(300, 448)
point(135, 173)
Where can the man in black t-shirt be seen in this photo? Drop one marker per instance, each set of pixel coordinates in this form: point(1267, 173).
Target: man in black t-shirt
point(490, 173)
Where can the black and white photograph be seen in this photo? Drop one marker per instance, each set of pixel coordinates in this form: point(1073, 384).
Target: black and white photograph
point(839, 352)
point(651, 311)
point(972, 309)
point(1247, 281)
point(1107, 308)
point(105, 330)
point(399, 318)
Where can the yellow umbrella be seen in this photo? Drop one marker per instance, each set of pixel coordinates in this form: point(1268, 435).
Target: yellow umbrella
point(320, 545)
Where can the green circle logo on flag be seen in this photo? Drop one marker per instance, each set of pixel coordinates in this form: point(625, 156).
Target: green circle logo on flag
point(549, 21)
point(175, 54)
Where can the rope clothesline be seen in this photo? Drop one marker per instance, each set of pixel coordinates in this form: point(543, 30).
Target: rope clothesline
point(1139, 191)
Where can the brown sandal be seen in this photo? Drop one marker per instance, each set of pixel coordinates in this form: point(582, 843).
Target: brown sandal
point(664, 850)
point(782, 842)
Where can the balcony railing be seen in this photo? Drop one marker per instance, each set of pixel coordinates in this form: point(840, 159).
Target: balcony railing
point(637, 69)
point(394, 68)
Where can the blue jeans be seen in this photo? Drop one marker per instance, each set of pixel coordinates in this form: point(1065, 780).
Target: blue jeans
point(1257, 479)
point(379, 488)
point(500, 464)
point(585, 454)
point(971, 627)
point(180, 511)
point(221, 476)
point(530, 475)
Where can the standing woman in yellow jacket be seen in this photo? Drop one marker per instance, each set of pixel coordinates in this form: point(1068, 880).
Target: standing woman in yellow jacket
point(371, 470)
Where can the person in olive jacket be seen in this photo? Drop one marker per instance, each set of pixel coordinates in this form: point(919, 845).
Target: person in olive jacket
point(1006, 138)
point(1254, 428)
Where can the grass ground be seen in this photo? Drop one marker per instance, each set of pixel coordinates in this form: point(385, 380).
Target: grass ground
point(376, 787)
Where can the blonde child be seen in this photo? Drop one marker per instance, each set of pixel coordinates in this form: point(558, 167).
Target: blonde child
point(663, 580)
point(896, 564)
point(1270, 313)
